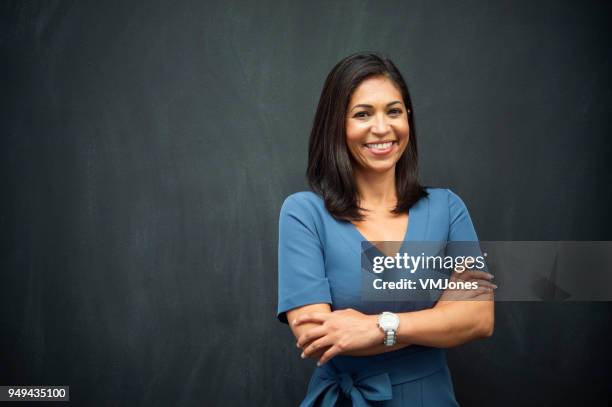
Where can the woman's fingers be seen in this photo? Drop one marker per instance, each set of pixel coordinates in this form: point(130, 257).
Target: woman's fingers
point(483, 290)
point(319, 352)
point(330, 353)
point(484, 283)
point(310, 335)
point(319, 317)
point(316, 346)
point(338, 331)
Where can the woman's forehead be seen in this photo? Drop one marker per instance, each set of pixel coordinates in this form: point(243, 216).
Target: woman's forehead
point(376, 90)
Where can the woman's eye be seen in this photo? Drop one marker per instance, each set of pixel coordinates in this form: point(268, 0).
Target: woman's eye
point(364, 114)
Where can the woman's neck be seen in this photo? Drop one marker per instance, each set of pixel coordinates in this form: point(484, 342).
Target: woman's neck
point(376, 190)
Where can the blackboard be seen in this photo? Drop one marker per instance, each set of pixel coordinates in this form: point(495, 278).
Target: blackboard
point(147, 147)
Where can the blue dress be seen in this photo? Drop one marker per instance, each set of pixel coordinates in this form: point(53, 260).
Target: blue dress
point(319, 261)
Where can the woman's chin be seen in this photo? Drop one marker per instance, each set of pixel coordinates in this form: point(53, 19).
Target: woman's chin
point(378, 167)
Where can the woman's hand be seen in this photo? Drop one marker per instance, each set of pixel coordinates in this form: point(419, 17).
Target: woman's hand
point(339, 332)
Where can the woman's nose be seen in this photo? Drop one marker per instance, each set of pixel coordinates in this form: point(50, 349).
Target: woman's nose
point(380, 125)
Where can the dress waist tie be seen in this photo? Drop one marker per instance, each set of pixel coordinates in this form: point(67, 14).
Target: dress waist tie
point(373, 383)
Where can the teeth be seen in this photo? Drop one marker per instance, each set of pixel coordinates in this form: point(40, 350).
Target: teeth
point(381, 146)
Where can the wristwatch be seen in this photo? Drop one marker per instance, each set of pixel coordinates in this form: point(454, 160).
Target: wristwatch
point(388, 322)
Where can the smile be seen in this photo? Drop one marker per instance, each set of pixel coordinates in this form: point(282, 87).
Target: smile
point(380, 148)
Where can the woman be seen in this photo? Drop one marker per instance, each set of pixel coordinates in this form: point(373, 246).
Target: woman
point(362, 168)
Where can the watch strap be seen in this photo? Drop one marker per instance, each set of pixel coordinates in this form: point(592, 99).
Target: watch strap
point(390, 338)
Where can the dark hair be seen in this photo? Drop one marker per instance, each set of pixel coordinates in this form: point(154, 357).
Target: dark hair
point(330, 169)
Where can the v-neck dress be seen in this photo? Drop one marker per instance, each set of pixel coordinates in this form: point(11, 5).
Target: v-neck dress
point(319, 261)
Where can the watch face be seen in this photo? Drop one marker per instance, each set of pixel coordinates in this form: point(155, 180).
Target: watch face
point(389, 321)
point(386, 320)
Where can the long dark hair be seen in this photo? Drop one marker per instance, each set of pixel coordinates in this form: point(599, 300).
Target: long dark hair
point(330, 169)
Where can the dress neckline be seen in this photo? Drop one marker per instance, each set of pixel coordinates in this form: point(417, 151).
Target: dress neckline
point(406, 232)
point(367, 244)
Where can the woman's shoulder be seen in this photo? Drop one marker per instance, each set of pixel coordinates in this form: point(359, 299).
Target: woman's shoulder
point(443, 195)
point(304, 200)
point(444, 199)
point(305, 208)
point(449, 208)
point(305, 203)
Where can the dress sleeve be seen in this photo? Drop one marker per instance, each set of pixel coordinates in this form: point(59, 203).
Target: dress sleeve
point(461, 227)
point(301, 263)
point(461, 232)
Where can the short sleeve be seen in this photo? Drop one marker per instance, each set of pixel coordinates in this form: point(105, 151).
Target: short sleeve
point(461, 230)
point(461, 227)
point(301, 263)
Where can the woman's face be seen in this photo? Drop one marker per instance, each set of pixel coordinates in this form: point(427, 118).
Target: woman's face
point(377, 125)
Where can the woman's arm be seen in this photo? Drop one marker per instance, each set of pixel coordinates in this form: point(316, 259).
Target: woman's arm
point(448, 324)
point(451, 322)
point(458, 317)
point(296, 313)
point(369, 323)
point(304, 327)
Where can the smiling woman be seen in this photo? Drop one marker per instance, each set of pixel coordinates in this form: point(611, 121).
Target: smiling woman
point(377, 131)
point(362, 168)
point(353, 111)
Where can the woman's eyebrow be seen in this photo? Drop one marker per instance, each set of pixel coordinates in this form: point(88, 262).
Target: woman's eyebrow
point(370, 106)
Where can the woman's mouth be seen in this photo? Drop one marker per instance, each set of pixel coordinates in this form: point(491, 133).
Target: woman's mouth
point(381, 148)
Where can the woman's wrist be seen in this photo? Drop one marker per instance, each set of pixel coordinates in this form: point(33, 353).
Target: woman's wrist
point(377, 333)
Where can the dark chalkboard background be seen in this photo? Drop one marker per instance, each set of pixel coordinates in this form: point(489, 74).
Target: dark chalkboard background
point(146, 149)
